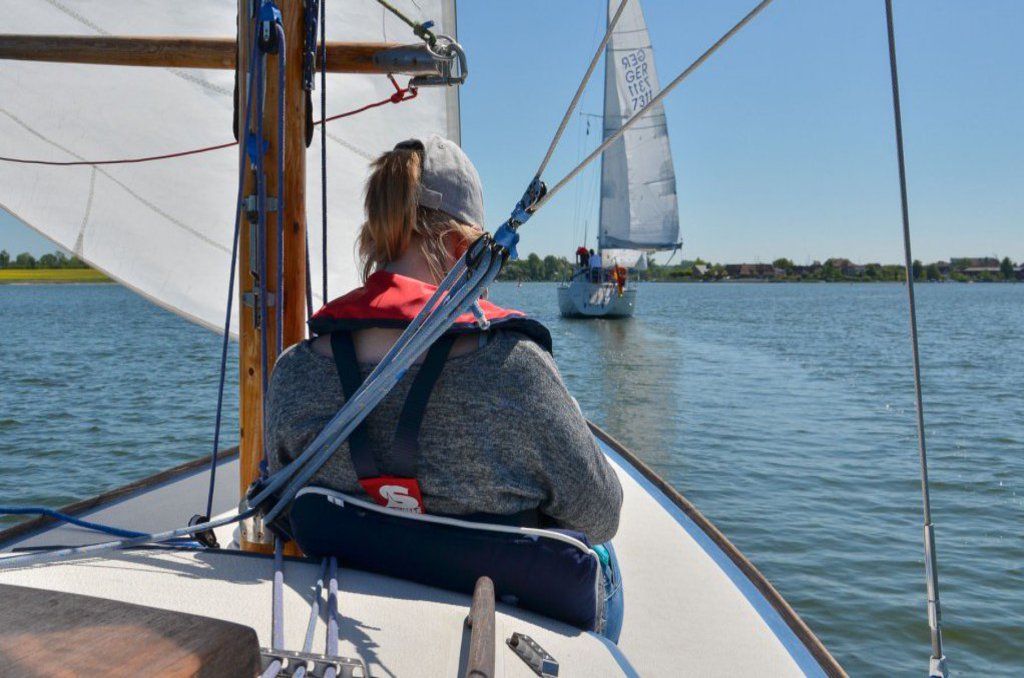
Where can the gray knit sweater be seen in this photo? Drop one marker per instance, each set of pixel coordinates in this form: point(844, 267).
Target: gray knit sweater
point(500, 435)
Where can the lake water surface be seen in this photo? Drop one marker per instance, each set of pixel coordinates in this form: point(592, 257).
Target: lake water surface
point(784, 412)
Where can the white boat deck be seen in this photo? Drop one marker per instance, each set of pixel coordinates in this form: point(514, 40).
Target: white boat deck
point(689, 609)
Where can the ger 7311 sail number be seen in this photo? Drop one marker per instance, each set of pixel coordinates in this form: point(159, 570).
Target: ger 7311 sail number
point(635, 72)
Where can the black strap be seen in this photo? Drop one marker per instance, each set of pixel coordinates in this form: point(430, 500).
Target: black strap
point(406, 445)
point(351, 379)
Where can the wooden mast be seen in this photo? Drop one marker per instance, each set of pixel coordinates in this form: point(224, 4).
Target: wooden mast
point(293, 192)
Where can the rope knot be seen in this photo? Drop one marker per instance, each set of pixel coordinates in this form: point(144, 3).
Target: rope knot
point(401, 94)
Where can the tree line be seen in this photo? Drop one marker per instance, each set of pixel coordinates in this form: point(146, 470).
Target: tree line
point(46, 261)
point(989, 269)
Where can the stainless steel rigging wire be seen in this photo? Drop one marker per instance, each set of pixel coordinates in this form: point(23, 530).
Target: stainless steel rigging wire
point(937, 666)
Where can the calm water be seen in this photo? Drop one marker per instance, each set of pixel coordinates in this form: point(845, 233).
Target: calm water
point(785, 412)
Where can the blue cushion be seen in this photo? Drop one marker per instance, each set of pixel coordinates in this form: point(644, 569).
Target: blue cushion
point(553, 572)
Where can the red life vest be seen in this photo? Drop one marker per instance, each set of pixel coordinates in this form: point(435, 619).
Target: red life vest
point(388, 300)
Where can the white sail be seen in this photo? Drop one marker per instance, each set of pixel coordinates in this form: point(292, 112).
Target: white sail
point(638, 182)
point(164, 228)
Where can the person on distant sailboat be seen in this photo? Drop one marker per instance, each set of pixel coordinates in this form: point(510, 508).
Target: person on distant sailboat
point(595, 267)
point(484, 425)
point(582, 256)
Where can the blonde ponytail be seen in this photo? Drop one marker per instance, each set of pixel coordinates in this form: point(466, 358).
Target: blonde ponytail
point(393, 215)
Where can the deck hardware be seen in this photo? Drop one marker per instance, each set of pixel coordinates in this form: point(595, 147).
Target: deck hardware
point(315, 664)
point(450, 60)
point(205, 537)
point(408, 59)
point(249, 204)
point(481, 318)
point(252, 299)
point(535, 656)
point(252, 528)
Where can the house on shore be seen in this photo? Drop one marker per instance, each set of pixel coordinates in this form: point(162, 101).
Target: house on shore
point(847, 267)
point(978, 271)
point(753, 271)
point(964, 263)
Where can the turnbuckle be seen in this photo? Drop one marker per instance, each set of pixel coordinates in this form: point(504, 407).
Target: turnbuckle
point(508, 235)
point(527, 205)
point(476, 250)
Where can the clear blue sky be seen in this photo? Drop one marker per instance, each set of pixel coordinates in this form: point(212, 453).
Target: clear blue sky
point(783, 141)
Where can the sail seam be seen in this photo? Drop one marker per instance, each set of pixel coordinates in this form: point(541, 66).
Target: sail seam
point(77, 17)
point(355, 149)
point(127, 190)
point(80, 240)
point(196, 80)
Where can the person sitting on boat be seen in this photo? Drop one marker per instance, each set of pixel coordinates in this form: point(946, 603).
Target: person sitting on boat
point(595, 267)
point(619, 276)
point(497, 437)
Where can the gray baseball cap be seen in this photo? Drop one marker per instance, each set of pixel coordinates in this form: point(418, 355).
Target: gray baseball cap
point(448, 180)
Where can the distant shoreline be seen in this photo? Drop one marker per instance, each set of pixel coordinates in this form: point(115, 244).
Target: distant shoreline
point(778, 281)
point(55, 276)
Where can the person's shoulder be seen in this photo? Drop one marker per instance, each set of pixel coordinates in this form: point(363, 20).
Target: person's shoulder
point(297, 358)
point(522, 358)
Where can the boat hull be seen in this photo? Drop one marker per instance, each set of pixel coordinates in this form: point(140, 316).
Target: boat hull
point(585, 299)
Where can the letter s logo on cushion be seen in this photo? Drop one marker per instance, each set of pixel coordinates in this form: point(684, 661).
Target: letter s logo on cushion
point(398, 497)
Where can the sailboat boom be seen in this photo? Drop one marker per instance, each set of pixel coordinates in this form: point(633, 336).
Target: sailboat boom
point(206, 53)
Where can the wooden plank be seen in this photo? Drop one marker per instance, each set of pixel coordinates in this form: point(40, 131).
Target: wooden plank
point(294, 276)
point(175, 52)
point(48, 633)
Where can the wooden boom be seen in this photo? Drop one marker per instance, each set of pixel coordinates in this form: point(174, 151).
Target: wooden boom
point(173, 52)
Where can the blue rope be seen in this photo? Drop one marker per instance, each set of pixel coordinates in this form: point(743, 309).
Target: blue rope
point(231, 298)
point(277, 628)
point(323, 145)
point(314, 615)
point(66, 518)
point(332, 615)
point(261, 251)
point(279, 301)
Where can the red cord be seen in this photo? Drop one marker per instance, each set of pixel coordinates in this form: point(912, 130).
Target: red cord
point(399, 96)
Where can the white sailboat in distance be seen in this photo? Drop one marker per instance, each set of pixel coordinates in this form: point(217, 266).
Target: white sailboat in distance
point(639, 212)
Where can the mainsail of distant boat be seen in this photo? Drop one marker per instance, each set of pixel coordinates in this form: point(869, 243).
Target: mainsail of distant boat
point(639, 212)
